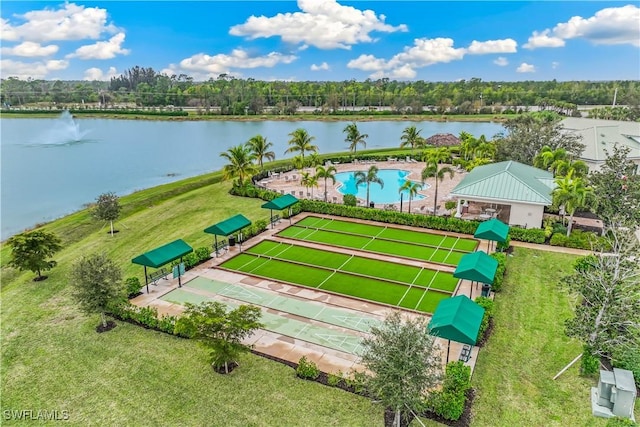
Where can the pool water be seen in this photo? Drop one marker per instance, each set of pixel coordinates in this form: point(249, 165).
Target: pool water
point(393, 179)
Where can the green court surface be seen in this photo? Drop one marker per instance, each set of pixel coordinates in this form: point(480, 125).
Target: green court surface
point(324, 336)
point(419, 245)
point(380, 281)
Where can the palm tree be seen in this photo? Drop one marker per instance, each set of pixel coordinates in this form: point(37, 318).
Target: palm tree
point(354, 137)
point(411, 137)
point(571, 193)
point(326, 173)
point(241, 166)
point(412, 188)
point(307, 180)
point(549, 159)
point(260, 149)
point(300, 142)
point(433, 170)
point(367, 178)
point(578, 168)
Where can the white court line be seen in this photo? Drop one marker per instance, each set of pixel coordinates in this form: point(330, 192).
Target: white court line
point(320, 312)
point(301, 331)
point(425, 292)
point(373, 237)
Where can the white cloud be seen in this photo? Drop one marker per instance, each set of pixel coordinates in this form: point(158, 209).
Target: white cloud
point(367, 63)
point(102, 50)
point(30, 49)
point(203, 65)
point(69, 22)
point(92, 74)
point(501, 61)
point(324, 66)
point(492, 46)
point(324, 24)
point(7, 31)
point(555, 64)
point(613, 25)
point(543, 39)
point(33, 70)
point(526, 68)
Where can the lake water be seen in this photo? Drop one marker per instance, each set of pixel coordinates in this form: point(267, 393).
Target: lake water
point(53, 167)
point(392, 180)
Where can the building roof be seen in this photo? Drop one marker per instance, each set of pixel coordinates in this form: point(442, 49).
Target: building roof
point(599, 136)
point(507, 182)
point(164, 254)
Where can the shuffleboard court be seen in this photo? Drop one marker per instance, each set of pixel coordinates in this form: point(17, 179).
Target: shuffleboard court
point(379, 281)
point(313, 333)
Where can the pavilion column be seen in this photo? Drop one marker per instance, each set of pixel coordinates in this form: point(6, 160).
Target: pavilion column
point(459, 209)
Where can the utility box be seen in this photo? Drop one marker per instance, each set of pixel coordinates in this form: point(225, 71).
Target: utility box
point(615, 395)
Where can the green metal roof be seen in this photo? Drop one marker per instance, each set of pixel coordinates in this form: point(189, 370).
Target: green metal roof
point(493, 229)
point(507, 181)
point(228, 226)
point(457, 319)
point(477, 266)
point(282, 202)
point(164, 254)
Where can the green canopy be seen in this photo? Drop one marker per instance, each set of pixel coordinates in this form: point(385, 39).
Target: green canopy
point(282, 202)
point(228, 226)
point(477, 267)
point(162, 255)
point(457, 319)
point(493, 229)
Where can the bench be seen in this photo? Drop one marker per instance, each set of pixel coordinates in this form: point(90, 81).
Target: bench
point(275, 219)
point(157, 275)
point(220, 246)
point(465, 353)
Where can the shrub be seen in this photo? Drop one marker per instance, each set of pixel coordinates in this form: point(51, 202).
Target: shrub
point(449, 401)
point(358, 381)
point(629, 359)
point(307, 369)
point(447, 404)
point(488, 305)
point(589, 364)
point(501, 257)
point(133, 286)
point(503, 246)
point(349, 200)
point(450, 204)
point(620, 422)
point(334, 379)
point(203, 253)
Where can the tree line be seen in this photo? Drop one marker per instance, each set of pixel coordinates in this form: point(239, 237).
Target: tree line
point(226, 94)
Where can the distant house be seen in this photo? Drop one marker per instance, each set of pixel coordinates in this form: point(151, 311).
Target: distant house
point(599, 136)
point(513, 192)
point(443, 140)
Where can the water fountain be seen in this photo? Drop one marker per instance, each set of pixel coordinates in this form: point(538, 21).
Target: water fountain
point(64, 131)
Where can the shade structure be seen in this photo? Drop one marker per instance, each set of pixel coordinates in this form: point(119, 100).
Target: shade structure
point(477, 267)
point(280, 203)
point(228, 226)
point(493, 229)
point(162, 255)
point(457, 319)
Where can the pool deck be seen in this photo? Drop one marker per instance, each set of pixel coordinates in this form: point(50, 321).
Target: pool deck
point(289, 183)
point(292, 348)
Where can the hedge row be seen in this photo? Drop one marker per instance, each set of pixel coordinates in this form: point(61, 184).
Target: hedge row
point(450, 400)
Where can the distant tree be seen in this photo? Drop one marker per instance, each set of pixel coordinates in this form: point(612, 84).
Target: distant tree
point(308, 181)
point(616, 188)
point(349, 200)
point(30, 250)
point(412, 188)
point(240, 166)
point(97, 282)
point(354, 137)
point(326, 173)
point(367, 178)
point(405, 365)
point(260, 149)
point(432, 169)
point(411, 138)
point(107, 208)
point(300, 142)
point(607, 311)
point(527, 134)
point(570, 195)
point(220, 330)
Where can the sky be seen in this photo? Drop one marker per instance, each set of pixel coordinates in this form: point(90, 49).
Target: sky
point(323, 40)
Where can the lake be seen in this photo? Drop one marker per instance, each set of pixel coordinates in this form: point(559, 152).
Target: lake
point(52, 167)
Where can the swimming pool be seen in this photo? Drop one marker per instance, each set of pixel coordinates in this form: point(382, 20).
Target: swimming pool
point(393, 179)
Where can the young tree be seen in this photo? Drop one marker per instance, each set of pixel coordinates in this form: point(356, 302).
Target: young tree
point(260, 149)
point(432, 169)
point(326, 173)
point(412, 188)
point(411, 138)
point(30, 250)
point(405, 364)
point(240, 166)
point(300, 142)
point(107, 208)
point(354, 137)
point(607, 311)
point(571, 194)
point(367, 178)
point(616, 189)
point(97, 282)
point(220, 330)
point(527, 134)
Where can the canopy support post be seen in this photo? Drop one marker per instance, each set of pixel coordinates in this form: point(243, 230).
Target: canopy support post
point(271, 214)
point(179, 281)
point(215, 239)
point(146, 278)
point(289, 215)
point(448, 348)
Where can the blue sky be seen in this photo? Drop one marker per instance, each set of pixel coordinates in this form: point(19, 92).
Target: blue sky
point(323, 39)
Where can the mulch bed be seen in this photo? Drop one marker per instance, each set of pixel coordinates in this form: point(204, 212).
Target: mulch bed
point(110, 325)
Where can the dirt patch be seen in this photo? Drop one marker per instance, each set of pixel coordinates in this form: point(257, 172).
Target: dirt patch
point(110, 325)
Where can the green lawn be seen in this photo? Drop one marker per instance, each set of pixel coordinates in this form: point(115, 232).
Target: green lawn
point(51, 358)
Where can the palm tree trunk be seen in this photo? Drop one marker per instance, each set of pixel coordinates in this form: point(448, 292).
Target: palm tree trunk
point(104, 320)
point(570, 224)
point(435, 197)
point(111, 228)
point(325, 190)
